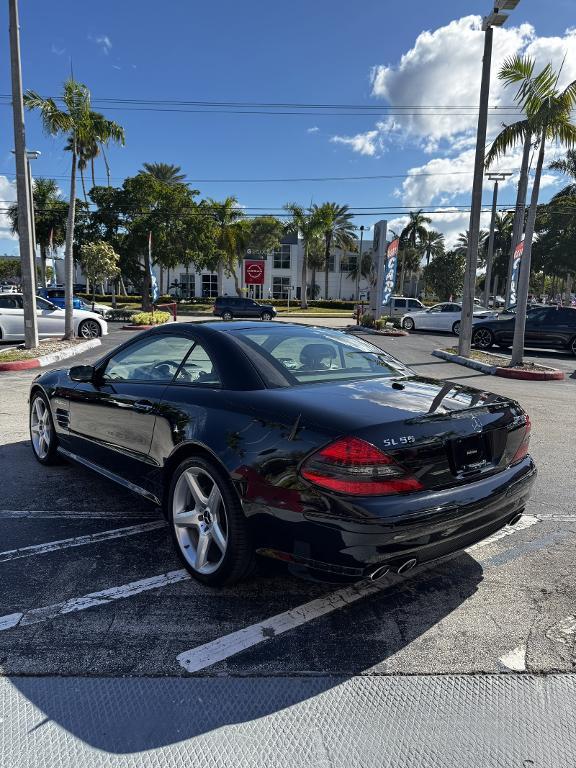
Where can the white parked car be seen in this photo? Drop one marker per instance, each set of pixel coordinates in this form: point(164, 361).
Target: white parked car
point(87, 325)
point(442, 317)
point(7, 288)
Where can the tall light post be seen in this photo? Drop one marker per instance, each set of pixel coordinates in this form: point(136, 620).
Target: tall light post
point(495, 19)
point(27, 260)
point(359, 264)
point(496, 178)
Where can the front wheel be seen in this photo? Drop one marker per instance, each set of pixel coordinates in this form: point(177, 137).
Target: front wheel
point(207, 524)
point(266, 316)
point(408, 324)
point(89, 329)
point(483, 338)
point(456, 328)
point(42, 432)
point(227, 315)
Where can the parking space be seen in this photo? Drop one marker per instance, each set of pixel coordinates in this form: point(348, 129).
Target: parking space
point(91, 585)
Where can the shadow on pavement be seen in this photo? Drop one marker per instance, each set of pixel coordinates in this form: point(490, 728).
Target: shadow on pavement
point(127, 715)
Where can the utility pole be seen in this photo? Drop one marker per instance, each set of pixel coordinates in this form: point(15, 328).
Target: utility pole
point(495, 177)
point(27, 259)
point(495, 19)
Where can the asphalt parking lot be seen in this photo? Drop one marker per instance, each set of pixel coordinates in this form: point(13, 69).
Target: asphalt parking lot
point(91, 587)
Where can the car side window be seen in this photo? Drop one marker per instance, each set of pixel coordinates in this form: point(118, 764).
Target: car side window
point(437, 308)
point(399, 303)
point(198, 368)
point(152, 359)
point(43, 304)
point(413, 304)
point(9, 302)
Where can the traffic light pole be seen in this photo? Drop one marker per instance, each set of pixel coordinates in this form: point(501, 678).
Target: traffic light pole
point(27, 259)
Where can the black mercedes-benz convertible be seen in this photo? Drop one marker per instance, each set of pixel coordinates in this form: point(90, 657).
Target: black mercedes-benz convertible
point(302, 444)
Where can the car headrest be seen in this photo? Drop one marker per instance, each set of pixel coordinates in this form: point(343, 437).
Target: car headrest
point(313, 354)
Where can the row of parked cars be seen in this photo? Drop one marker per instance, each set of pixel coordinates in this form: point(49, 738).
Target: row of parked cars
point(87, 324)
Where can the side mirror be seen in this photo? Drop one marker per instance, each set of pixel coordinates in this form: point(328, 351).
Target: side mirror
point(84, 373)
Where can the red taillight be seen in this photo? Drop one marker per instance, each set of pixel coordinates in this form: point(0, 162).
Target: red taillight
point(522, 450)
point(353, 466)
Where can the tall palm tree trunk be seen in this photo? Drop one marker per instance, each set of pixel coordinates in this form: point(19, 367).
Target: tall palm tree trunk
point(43, 257)
point(220, 279)
point(83, 185)
point(524, 281)
point(92, 169)
point(69, 254)
point(519, 213)
point(304, 279)
point(327, 265)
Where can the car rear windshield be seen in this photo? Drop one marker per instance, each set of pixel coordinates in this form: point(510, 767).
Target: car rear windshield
point(288, 355)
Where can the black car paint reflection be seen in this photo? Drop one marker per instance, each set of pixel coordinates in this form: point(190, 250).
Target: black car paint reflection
point(259, 432)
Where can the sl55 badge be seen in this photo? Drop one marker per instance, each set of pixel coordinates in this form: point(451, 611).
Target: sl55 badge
point(391, 442)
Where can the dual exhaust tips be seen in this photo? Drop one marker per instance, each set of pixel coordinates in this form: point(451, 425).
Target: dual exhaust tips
point(381, 570)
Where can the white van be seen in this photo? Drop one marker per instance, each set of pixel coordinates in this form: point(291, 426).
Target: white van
point(397, 306)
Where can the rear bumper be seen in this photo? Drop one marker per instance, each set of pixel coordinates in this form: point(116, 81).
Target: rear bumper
point(423, 527)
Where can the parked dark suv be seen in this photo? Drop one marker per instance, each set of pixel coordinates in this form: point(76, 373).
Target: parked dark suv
point(229, 307)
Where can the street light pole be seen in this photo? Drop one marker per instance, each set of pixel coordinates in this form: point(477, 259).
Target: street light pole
point(495, 177)
point(359, 264)
point(28, 265)
point(495, 19)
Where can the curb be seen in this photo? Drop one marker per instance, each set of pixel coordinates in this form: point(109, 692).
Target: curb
point(551, 374)
point(140, 327)
point(373, 332)
point(53, 357)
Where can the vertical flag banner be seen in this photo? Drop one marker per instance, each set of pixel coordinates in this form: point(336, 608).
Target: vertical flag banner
point(153, 281)
point(390, 270)
point(518, 251)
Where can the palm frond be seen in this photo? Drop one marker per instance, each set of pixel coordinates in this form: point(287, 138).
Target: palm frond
point(508, 138)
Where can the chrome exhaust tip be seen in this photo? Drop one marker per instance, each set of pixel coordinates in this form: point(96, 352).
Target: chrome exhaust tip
point(515, 518)
point(407, 566)
point(379, 572)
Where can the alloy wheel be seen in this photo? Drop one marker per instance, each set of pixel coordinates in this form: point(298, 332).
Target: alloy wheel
point(40, 428)
point(200, 521)
point(408, 324)
point(227, 316)
point(266, 316)
point(89, 329)
point(482, 338)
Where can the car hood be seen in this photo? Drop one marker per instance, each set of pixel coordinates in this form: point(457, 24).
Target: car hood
point(83, 314)
point(357, 404)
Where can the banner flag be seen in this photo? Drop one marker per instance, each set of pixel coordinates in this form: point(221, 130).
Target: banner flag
point(390, 270)
point(518, 251)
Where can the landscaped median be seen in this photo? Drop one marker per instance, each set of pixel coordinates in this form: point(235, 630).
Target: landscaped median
point(498, 365)
point(48, 352)
point(143, 321)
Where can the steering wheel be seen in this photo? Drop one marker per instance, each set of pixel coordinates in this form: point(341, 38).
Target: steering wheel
point(164, 369)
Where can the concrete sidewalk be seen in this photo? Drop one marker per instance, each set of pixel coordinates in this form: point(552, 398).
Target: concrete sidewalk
point(499, 721)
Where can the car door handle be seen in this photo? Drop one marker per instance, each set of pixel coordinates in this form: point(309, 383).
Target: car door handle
point(143, 406)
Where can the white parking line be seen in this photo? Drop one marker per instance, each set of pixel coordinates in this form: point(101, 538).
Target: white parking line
point(37, 615)
point(210, 653)
point(78, 541)
point(34, 514)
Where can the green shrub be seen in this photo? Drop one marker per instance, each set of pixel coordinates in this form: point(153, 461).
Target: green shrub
point(150, 318)
point(367, 320)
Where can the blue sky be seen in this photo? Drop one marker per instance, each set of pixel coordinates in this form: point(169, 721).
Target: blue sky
point(376, 53)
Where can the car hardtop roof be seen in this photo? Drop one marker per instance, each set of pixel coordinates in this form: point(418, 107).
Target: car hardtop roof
point(223, 326)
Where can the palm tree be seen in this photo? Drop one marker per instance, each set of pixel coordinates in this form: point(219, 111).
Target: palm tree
point(462, 244)
point(411, 239)
point(548, 117)
point(307, 224)
point(567, 166)
point(49, 219)
point(165, 172)
point(226, 215)
point(76, 121)
point(103, 131)
point(432, 244)
point(338, 231)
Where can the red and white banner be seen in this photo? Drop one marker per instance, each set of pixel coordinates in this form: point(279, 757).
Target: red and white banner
point(518, 251)
point(254, 272)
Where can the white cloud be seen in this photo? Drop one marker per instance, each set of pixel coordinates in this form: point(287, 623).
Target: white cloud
point(364, 143)
point(56, 50)
point(313, 129)
point(103, 41)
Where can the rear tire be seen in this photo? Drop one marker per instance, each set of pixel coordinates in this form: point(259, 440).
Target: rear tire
point(207, 524)
point(408, 324)
point(483, 338)
point(227, 315)
point(456, 328)
point(42, 432)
